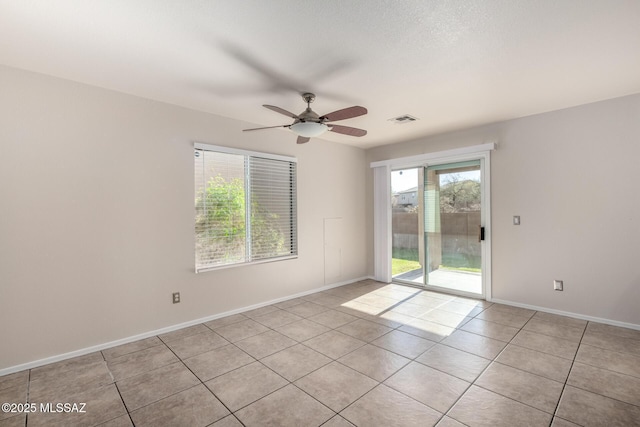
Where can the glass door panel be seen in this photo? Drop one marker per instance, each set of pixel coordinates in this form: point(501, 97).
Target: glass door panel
point(452, 227)
point(406, 226)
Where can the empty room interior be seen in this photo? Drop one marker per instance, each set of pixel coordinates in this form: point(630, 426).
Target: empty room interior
point(222, 213)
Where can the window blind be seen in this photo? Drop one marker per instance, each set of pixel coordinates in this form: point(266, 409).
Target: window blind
point(245, 207)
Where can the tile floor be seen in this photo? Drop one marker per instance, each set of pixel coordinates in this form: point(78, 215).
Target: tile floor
point(365, 354)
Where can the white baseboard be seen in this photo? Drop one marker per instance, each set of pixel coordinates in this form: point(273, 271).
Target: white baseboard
point(568, 314)
point(104, 346)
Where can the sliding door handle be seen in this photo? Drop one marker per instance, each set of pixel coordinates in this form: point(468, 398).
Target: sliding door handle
point(480, 233)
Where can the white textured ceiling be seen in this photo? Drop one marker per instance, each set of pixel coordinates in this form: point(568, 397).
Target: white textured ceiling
point(452, 64)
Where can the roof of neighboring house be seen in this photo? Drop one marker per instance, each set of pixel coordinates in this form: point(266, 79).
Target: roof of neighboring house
point(409, 190)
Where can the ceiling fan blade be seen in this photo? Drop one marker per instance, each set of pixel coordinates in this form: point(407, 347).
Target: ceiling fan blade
point(302, 140)
point(345, 113)
point(276, 81)
point(268, 127)
point(347, 130)
point(281, 111)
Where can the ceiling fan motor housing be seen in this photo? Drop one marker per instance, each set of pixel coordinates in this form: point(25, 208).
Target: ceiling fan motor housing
point(309, 115)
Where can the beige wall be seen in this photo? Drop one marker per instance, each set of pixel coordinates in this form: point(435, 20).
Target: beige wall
point(571, 176)
point(96, 216)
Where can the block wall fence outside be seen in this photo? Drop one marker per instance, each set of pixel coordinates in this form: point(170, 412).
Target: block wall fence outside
point(458, 229)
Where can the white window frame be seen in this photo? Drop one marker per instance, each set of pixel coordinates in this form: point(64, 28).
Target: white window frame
point(269, 156)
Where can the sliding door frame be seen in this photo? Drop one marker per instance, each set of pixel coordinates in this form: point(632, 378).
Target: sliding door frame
point(382, 217)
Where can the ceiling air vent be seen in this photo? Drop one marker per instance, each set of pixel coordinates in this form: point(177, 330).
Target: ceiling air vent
point(405, 118)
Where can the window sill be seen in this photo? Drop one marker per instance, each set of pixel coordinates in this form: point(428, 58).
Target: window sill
point(243, 264)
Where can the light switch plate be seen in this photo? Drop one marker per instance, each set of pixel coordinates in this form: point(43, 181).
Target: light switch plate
point(516, 220)
point(558, 285)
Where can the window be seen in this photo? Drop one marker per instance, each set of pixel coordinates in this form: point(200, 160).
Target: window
point(245, 207)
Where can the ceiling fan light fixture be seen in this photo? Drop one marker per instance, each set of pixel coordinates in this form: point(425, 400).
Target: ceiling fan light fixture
point(309, 129)
point(309, 124)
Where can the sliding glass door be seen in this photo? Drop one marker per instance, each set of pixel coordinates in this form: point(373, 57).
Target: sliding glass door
point(437, 227)
point(453, 227)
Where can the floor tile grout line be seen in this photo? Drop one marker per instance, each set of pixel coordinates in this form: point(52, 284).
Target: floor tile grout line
point(332, 360)
point(585, 362)
point(367, 392)
point(280, 388)
point(253, 401)
point(538, 351)
point(167, 343)
point(334, 412)
point(425, 404)
point(550, 336)
point(168, 396)
point(634, 340)
point(262, 364)
point(95, 387)
point(374, 379)
point(550, 322)
point(73, 394)
point(28, 398)
point(637, 355)
point(133, 352)
point(568, 373)
point(515, 400)
point(414, 360)
point(598, 367)
point(227, 324)
point(371, 343)
point(234, 416)
point(259, 360)
point(398, 303)
point(566, 381)
point(602, 395)
point(400, 354)
point(472, 383)
point(126, 408)
point(528, 372)
point(573, 361)
point(201, 383)
point(444, 372)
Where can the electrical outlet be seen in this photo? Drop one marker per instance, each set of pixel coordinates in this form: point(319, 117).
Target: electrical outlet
point(558, 285)
point(176, 297)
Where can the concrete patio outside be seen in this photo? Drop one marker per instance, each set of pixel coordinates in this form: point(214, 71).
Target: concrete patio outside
point(449, 279)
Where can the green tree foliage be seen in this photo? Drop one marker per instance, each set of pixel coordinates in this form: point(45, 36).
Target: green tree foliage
point(221, 223)
point(220, 219)
point(266, 238)
point(458, 195)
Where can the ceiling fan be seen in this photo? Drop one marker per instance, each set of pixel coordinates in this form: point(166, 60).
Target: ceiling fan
point(309, 124)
